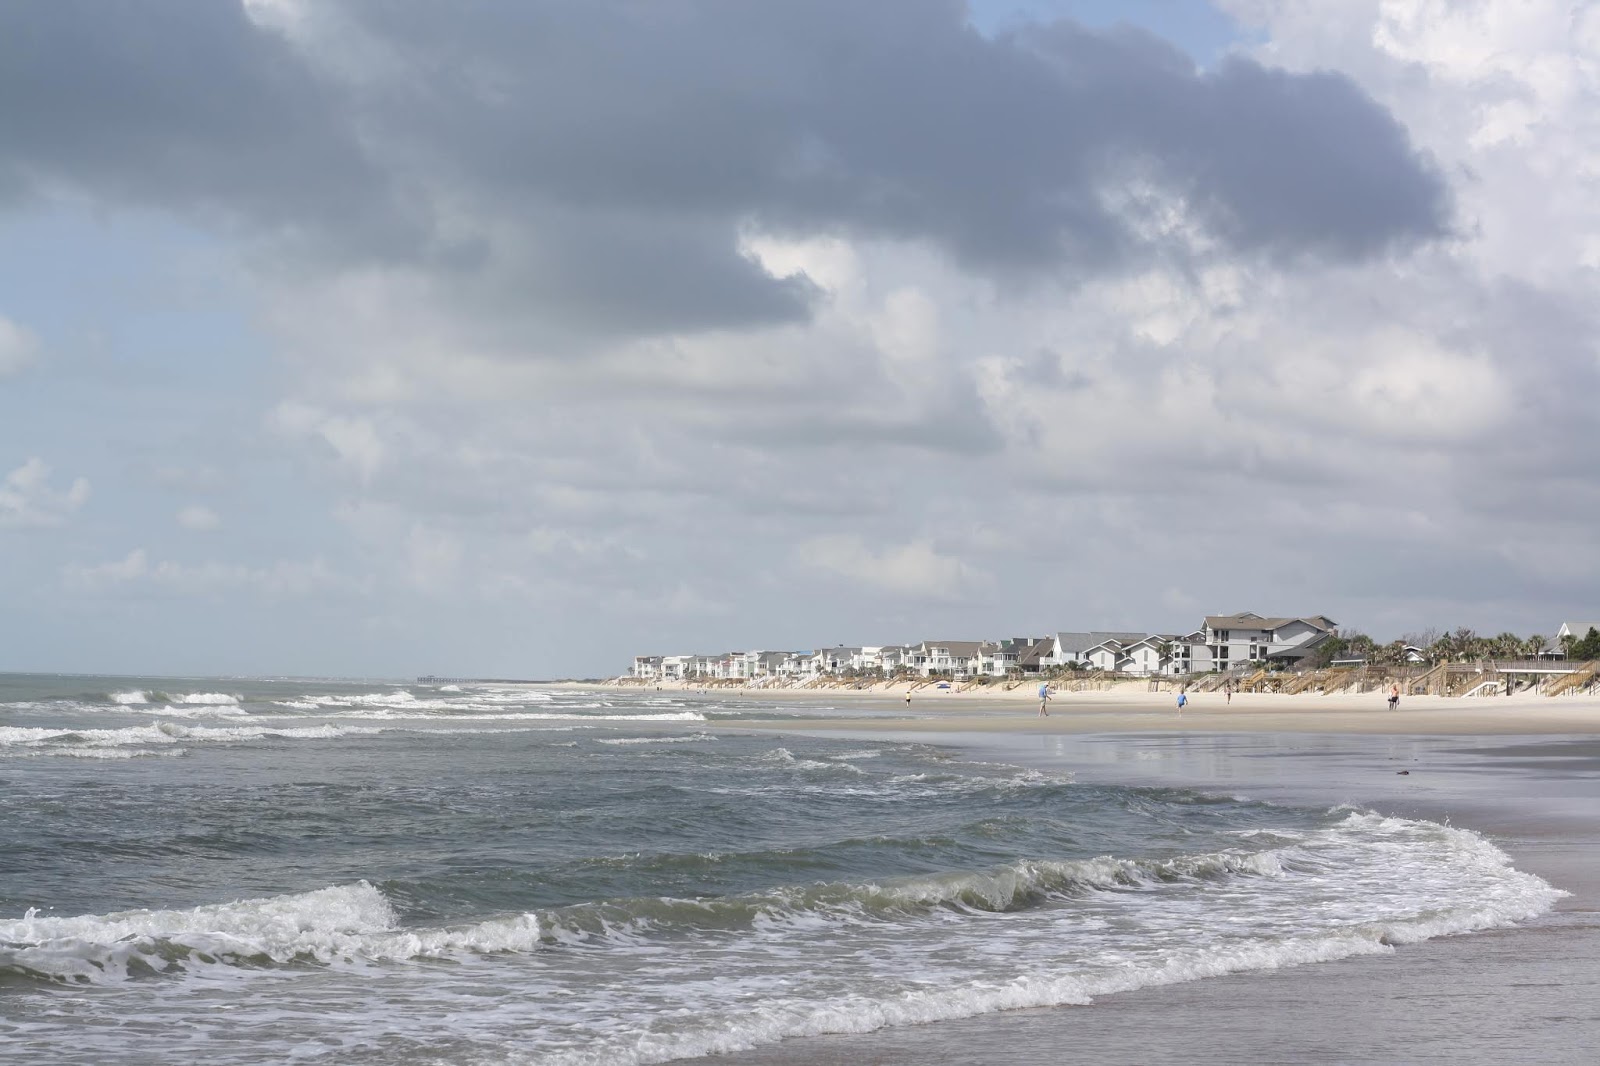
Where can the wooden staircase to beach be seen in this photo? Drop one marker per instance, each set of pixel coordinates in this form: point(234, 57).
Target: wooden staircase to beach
point(1341, 677)
point(1425, 683)
point(1466, 678)
point(1304, 681)
point(1573, 681)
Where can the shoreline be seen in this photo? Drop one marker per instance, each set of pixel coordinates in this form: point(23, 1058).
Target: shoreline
point(1132, 706)
point(1506, 995)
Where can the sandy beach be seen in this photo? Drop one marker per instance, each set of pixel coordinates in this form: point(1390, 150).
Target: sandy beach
point(1132, 706)
point(1523, 770)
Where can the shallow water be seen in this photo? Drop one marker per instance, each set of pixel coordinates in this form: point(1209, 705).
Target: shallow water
point(254, 871)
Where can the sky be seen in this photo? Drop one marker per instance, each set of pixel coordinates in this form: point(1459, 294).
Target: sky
point(513, 340)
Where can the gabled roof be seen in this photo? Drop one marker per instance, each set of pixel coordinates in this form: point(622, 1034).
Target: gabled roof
point(1030, 656)
point(1301, 651)
point(958, 648)
point(1251, 620)
point(1083, 641)
point(1111, 644)
point(1577, 629)
point(1244, 620)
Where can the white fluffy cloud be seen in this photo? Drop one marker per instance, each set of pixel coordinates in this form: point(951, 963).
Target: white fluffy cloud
point(26, 498)
point(916, 570)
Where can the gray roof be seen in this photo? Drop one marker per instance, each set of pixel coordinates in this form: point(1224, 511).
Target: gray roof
point(1579, 629)
point(1251, 620)
point(1031, 655)
point(1300, 651)
point(958, 648)
point(1158, 638)
point(1080, 642)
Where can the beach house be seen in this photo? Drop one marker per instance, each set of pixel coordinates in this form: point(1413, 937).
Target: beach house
point(1142, 655)
point(1073, 648)
point(1575, 630)
point(894, 658)
point(1237, 641)
point(955, 657)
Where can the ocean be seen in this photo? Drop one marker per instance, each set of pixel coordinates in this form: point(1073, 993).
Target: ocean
point(272, 870)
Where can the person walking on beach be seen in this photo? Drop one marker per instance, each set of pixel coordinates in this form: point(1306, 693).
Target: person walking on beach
point(1394, 697)
point(1183, 700)
point(1227, 690)
point(1044, 698)
point(908, 697)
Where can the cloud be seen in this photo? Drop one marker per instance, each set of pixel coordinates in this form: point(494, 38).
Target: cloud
point(26, 498)
point(184, 106)
point(17, 348)
point(198, 517)
point(914, 570)
point(581, 170)
point(644, 304)
point(354, 440)
point(284, 579)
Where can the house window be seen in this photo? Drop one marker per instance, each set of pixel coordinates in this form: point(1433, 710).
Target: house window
point(1222, 652)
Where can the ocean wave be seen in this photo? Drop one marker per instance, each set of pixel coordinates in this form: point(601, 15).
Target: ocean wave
point(1488, 893)
point(691, 738)
point(395, 714)
point(1435, 858)
point(176, 704)
point(143, 696)
point(352, 923)
point(452, 698)
point(62, 741)
point(1026, 932)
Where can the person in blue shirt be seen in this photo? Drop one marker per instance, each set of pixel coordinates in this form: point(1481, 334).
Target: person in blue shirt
point(1044, 698)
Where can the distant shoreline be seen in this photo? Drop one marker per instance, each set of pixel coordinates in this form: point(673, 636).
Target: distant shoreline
point(1130, 706)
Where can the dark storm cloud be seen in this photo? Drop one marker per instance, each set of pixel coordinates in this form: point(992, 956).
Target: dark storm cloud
point(608, 153)
point(182, 105)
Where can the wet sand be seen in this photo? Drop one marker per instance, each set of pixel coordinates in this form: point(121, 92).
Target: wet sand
point(1530, 994)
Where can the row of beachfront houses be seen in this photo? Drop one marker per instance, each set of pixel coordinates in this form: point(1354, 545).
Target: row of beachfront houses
point(1222, 642)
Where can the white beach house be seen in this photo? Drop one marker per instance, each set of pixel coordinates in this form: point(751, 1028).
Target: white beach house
point(1237, 641)
point(948, 656)
point(1073, 648)
point(1575, 630)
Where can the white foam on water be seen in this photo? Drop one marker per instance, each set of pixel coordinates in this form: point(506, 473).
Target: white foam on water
point(1434, 881)
point(393, 714)
point(692, 738)
point(92, 753)
point(340, 925)
point(61, 741)
point(647, 981)
point(128, 698)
